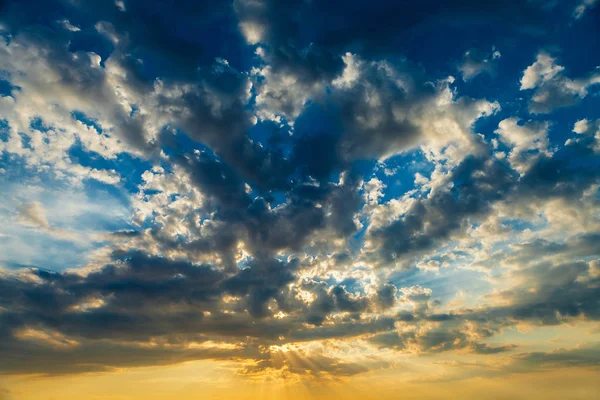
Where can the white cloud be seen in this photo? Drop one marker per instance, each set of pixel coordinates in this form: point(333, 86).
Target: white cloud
point(582, 7)
point(68, 26)
point(581, 126)
point(527, 141)
point(542, 70)
point(120, 4)
point(586, 127)
point(373, 191)
point(552, 89)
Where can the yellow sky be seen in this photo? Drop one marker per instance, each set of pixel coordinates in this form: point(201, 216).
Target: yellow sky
point(208, 380)
point(403, 376)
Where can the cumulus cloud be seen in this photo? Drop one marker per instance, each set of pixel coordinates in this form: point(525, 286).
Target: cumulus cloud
point(526, 140)
point(389, 110)
point(552, 89)
point(588, 128)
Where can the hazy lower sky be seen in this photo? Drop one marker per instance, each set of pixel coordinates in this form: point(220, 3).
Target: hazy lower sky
point(301, 199)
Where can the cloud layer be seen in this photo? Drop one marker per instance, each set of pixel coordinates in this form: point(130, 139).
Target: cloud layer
point(265, 183)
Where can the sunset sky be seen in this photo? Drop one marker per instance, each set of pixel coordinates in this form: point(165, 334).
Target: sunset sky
point(299, 199)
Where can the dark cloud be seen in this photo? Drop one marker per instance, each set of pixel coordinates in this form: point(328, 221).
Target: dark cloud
point(583, 356)
point(100, 356)
point(552, 294)
point(482, 348)
point(475, 185)
point(242, 216)
point(97, 321)
point(377, 28)
point(454, 335)
point(386, 296)
point(148, 26)
point(100, 320)
point(578, 247)
point(560, 175)
point(372, 109)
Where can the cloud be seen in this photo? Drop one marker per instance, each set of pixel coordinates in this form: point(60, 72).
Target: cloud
point(542, 71)
point(475, 62)
point(526, 140)
point(445, 336)
point(583, 356)
point(56, 87)
point(377, 29)
point(33, 214)
point(105, 314)
point(582, 7)
point(296, 188)
point(120, 5)
point(68, 26)
point(316, 364)
point(550, 294)
point(387, 109)
point(468, 193)
point(552, 88)
point(585, 127)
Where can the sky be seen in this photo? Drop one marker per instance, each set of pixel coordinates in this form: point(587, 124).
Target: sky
point(300, 199)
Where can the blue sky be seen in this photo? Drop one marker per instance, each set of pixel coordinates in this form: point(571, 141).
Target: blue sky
point(417, 177)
